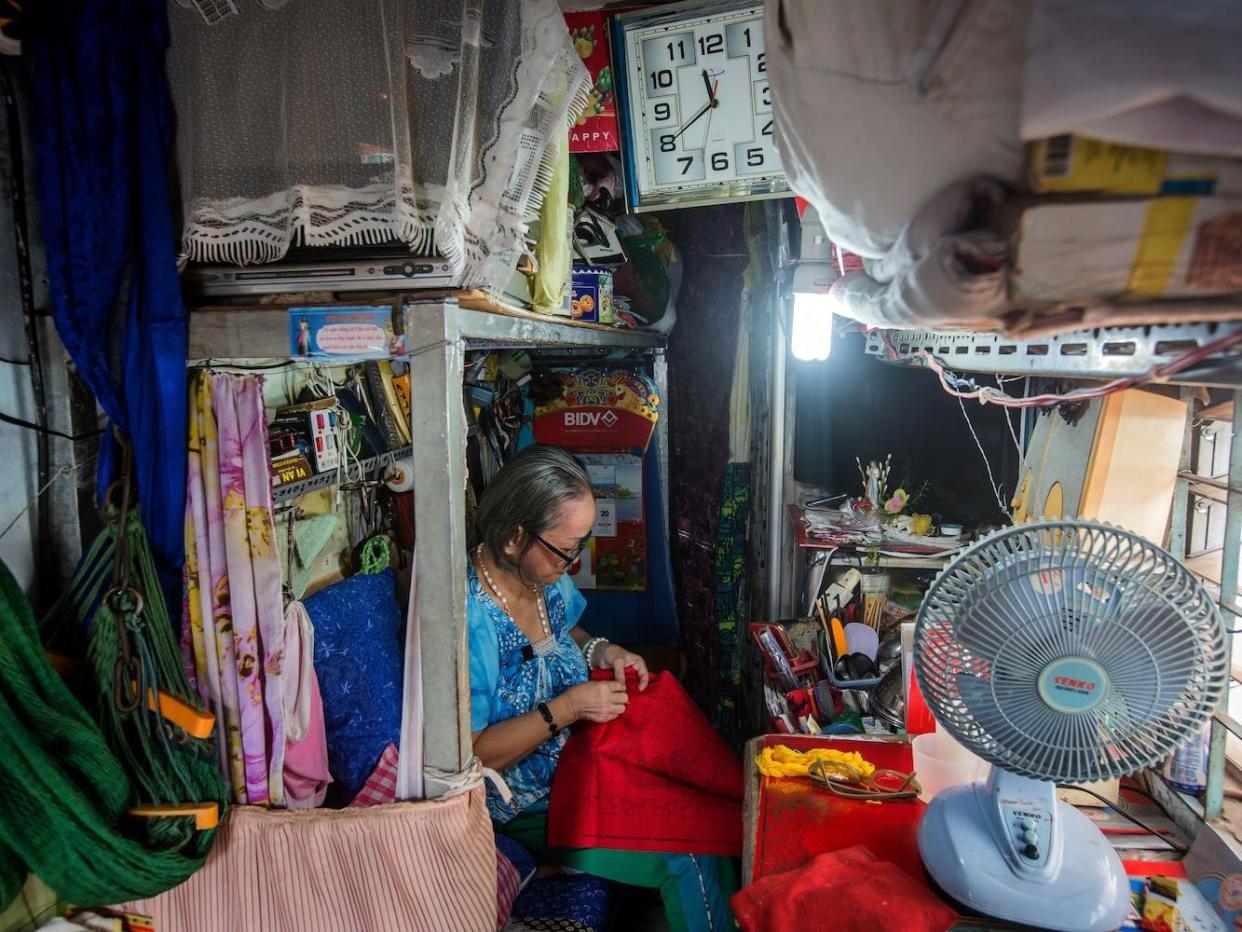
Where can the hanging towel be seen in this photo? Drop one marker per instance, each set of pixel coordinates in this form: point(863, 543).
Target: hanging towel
point(656, 779)
point(306, 744)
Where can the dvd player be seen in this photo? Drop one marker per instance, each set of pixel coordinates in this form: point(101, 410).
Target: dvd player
point(374, 268)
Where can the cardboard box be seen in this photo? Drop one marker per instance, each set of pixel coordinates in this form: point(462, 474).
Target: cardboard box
point(1133, 248)
point(590, 299)
point(1079, 164)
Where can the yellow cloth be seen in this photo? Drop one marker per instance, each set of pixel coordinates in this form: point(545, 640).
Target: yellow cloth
point(782, 761)
point(552, 250)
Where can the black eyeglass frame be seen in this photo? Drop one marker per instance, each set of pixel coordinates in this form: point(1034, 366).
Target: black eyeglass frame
point(566, 558)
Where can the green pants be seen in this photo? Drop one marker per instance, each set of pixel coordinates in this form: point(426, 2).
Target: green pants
point(695, 888)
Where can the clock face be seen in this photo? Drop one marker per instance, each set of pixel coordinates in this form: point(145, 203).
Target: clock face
point(700, 125)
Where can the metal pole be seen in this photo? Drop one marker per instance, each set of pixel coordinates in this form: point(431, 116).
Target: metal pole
point(437, 361)
point(1178, 520)
point(1214, 799)
point(659, 372)
point(776, 467)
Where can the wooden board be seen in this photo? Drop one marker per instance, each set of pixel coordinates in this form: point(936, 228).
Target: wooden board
point(1132, 473)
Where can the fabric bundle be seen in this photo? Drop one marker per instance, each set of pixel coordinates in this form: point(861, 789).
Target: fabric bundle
point(358, 659)
point(658, 778)
point(875, 894)
point(427, 122)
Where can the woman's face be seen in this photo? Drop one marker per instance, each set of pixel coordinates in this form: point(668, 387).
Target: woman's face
point(540, 564)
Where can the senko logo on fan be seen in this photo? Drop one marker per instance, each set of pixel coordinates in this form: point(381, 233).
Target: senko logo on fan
point(1073, 685)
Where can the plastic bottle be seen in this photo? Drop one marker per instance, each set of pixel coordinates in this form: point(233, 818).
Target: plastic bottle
point(1186, 768)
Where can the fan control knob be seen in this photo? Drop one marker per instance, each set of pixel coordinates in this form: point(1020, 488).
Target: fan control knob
point(1031, 852)
point(1030, 836)
point(1027, 824)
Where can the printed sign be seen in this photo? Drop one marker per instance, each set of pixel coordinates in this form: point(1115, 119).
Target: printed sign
point(345, 333)
point(596, 130)
point(616, 558)
point(593, 428)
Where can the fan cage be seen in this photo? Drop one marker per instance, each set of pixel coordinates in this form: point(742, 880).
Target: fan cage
point(1013, 605)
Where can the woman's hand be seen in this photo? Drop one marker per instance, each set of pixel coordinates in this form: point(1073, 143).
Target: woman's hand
point(616, 658)
point(597, 701)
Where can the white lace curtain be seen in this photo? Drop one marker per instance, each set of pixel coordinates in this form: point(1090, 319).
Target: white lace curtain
point(330, 122)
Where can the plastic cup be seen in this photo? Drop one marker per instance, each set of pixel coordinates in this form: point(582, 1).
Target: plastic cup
point(940, 767)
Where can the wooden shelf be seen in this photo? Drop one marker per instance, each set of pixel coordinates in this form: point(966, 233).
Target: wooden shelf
point(222, 333)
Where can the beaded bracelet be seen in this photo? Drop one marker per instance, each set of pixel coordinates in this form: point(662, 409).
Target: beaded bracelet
point(547, 717)
point(588, 650)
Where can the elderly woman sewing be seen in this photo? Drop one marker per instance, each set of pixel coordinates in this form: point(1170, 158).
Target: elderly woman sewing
point(528, 674)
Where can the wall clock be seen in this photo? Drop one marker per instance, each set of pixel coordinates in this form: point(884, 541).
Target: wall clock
point(695, 105)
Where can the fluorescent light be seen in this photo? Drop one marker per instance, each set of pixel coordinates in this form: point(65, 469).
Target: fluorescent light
point(811, 340)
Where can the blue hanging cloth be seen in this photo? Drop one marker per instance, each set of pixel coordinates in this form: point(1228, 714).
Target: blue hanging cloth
point(102, 128)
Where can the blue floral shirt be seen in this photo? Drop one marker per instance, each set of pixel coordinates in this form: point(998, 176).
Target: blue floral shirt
point(506, 682)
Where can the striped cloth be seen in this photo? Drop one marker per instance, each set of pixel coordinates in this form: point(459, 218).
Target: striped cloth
point(381, 789)
point(411, 865)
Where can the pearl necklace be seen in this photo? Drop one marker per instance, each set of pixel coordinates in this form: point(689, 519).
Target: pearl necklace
point(544, 645)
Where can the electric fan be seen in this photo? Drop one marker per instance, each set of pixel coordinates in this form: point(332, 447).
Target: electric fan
point(1060, 652)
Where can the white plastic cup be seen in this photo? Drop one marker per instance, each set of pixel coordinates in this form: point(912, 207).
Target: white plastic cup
point(948, 748)
point(939, 766)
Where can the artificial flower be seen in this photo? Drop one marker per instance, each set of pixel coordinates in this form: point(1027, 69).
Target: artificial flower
point(897, 502)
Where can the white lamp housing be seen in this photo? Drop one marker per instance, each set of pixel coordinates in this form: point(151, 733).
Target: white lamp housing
point(811, 336)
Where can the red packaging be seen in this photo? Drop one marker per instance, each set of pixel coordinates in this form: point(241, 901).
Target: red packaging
point(596, 130)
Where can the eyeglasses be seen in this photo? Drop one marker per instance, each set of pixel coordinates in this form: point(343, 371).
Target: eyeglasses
point(566, 558)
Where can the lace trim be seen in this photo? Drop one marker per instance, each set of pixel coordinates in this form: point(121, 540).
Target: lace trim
point(480, 234)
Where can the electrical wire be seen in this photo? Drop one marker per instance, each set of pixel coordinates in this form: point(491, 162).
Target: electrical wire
point(56, 476)
point(996, 489)
point(1179, 848)
point(39, 428)
point(1017, 444)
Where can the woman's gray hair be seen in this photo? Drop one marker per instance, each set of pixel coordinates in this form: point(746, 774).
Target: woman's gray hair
point(528, 494)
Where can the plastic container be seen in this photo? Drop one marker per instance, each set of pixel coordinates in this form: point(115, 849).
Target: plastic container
point(875, 590)
point(940, 762)
point(1186, 768)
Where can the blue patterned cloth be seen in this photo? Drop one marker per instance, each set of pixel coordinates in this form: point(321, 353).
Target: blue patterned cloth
point(358, 660)
point(578, 903)
point(505, 682)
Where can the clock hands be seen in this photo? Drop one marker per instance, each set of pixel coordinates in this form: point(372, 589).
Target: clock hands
point(712, 103)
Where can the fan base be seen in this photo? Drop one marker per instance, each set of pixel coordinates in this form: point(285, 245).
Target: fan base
point(1078, 886)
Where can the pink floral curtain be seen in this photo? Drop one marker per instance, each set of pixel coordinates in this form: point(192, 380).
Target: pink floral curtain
point(233, 610)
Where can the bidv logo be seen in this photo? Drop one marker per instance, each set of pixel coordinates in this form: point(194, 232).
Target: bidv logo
point(590, 418)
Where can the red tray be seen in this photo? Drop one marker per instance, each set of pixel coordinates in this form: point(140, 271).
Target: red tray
point(798, 820)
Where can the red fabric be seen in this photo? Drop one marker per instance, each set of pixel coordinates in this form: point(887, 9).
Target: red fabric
point(656, 779)
point(798, 820)
point(843, 891)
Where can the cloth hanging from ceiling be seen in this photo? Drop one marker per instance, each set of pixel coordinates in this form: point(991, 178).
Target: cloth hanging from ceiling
point(656, 779)
point(101, 124)
point(232, 599)
point(424, 121)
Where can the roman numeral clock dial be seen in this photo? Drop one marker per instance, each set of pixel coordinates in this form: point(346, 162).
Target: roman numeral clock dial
point(696, 106)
